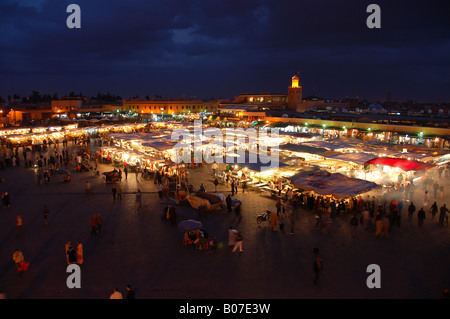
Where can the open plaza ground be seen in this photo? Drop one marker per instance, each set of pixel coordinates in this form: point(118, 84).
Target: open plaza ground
point(137, 247)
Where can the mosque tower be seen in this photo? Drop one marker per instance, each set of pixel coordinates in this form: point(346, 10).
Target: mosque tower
point(295, 95)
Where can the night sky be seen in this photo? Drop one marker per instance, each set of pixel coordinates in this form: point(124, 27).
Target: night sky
point(222, 48)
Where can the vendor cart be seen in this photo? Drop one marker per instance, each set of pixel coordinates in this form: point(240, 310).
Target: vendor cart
point(111, 177)
point(205, 205)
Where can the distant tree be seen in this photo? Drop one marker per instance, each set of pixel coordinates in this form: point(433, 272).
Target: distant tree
point(46, 98)
point(35, 97)
point(106, 97)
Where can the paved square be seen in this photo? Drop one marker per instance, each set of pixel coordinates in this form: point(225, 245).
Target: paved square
point(140, 249)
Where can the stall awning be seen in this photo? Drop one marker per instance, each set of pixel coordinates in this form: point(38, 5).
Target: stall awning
point(160, 146)
point(338, 185)
point(301, 148)
point(357, 158)
point(404, 164)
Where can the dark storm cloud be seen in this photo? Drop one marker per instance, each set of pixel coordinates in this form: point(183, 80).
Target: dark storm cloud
point(222, 48)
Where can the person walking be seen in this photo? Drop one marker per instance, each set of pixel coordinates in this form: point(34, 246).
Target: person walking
point(238, 214)
point(273, 220)
point(125, 170)
point(232, 236)
point(87, 188)
point(6, 199)
point(411, 210)
point(317, 265)
point(93, 223)
point(433, 210)
point(238, 243)
point(18, 260)
point(367, 223)
point(353, 224)
point(138, 199)
point(216, 182)
point(443, 218)
point(99, 221)
point(119, 193)
point(79, 253)
point(378, 224)
point(421, 216)
point(130, 292)
point(68, 245)
point(435, 189)
point(214, 167)
point(426, 199)
point(114, 192)
point(228, 201)
point(19, 225)
point(244, 186)
point(71, 256)
point(45, 213)
point(232, 187)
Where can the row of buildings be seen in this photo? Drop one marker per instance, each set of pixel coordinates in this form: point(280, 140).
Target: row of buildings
point(78, 106)
point(347, 117)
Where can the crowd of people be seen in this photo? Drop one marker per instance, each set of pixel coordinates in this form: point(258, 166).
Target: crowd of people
point(380, 215)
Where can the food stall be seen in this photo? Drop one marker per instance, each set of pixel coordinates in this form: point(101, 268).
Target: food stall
point(395, 171)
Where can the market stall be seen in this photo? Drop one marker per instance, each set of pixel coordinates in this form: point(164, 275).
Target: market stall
point(336, 185)
point(395, 171)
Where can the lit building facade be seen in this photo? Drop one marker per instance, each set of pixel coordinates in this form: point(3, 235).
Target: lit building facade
point(181, 106)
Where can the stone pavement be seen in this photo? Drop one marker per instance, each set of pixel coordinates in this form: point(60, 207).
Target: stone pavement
point(140, 249)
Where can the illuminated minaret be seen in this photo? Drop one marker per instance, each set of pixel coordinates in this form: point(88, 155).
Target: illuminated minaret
point(295, 95)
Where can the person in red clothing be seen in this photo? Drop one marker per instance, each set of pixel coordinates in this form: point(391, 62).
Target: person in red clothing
point(99, 220)
point(318, 265)
point(93, 222)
